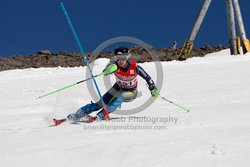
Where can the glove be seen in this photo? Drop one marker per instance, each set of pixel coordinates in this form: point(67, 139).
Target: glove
point(154, 91)
point(109, 70)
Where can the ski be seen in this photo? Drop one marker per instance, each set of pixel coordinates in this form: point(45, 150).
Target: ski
point(90, 119)
point(57, 122)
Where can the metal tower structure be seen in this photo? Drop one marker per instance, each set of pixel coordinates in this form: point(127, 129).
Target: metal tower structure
point(233, 15)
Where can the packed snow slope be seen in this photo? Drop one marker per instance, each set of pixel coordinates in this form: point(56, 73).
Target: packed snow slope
point(215, 133)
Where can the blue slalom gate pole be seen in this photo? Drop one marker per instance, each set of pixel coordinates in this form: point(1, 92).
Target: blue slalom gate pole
point(84, 57)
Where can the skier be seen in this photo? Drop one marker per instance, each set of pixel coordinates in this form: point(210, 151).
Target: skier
point(124, 90)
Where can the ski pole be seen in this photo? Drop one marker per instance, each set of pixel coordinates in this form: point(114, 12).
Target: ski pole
point(66, 87)
point(187, 110)
point(109, 70)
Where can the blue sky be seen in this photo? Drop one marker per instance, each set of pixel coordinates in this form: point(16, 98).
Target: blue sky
point(28, 26)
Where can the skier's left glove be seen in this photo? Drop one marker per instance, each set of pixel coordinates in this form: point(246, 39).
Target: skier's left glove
point(154, 91)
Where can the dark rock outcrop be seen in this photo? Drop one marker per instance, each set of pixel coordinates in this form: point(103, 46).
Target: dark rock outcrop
point(46, 58)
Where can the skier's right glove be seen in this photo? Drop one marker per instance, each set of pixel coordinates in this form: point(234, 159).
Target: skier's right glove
point(109, 70)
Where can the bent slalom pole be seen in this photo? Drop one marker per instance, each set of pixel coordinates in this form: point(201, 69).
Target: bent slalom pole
point(85, 58)
point(109, 70)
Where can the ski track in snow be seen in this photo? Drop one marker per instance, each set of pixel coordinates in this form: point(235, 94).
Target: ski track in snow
point(215, 133)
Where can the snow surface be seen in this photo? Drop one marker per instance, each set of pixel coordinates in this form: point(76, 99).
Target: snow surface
point(215, 133)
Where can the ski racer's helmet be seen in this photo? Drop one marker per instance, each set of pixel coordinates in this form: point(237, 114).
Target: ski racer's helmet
point(122, 53)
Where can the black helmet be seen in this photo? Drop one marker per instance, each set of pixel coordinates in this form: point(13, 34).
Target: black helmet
point(121, 51)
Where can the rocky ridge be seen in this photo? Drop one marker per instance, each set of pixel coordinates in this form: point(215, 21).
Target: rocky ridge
point(46, 58)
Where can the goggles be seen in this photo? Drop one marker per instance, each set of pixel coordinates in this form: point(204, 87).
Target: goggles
point(123, 57)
